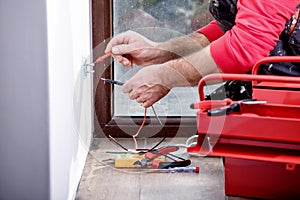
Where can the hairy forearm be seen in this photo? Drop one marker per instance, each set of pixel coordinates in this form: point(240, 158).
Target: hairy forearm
point(181, 46)
point(188, 70)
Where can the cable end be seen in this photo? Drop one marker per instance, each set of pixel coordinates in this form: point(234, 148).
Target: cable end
point(192, 106)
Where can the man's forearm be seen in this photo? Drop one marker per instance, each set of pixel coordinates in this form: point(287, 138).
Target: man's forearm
point(182, 46)
point(188, 70)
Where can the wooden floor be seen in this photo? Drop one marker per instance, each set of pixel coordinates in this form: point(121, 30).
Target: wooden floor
point(102, 181)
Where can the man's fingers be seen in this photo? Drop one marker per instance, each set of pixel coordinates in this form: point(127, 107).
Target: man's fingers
point(146, 100)
point(140, 99)
point(151, 99)
point(148, 95)
point(134, 94)
point(122, 43)
point(144, 96)
point(117, 40)
point(123, 60)
point(149, 103)
point(124, 49)
point(126, 88)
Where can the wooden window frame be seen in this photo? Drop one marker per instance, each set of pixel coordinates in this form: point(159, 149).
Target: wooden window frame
point(105, 123)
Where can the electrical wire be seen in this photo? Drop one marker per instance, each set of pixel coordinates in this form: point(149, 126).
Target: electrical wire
point(138, 132)
point(190, 143)
point(145, 110)
point(163, 127)
point(145, 116)
point(102, 58)
point(116, 142)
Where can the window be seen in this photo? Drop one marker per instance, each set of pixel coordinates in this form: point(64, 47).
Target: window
point(158, 20)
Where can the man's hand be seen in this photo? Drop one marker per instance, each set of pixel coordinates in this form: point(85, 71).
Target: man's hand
point(131, 46)
point(153, 82)
point(142, 51)
point(147, 86)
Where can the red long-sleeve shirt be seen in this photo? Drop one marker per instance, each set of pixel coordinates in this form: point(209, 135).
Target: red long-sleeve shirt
point(258, 25)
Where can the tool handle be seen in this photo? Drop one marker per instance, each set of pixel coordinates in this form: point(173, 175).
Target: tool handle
point(160, 152)
point(176, 169)
point(209, 104)
point(216, 112)
point(244, 77)
point(185, 169)
point(224, 111)
point(118, 83)
point(112, 81)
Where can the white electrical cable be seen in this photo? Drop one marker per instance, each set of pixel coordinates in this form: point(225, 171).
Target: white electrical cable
point(189, 143)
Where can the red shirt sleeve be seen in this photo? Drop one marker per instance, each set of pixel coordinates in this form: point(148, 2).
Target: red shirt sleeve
point(257, 28)
point(212, 31)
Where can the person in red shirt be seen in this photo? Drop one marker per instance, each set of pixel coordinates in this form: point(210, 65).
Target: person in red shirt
point(215, 48)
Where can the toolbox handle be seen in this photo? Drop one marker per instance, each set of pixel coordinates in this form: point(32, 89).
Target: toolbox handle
point(212, 78)
point(272, 59)
point(254, 76)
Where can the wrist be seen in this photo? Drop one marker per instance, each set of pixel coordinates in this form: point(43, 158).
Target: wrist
point(188, 70)
point(182, 46)
point(199, 38)
point(164, 52)
point(173, 76)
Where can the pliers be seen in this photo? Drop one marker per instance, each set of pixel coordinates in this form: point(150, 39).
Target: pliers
point(223, 107)
point(150, 156)
point(233, 106)
point(226, 110)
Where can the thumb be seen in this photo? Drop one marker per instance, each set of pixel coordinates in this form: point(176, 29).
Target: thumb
point(123, 49)
point(126, 88)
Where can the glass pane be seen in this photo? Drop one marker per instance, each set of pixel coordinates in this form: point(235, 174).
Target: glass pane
point(158, 20)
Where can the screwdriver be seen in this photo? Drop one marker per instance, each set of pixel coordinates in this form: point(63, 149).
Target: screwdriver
point(112, 81)
point(176, 169)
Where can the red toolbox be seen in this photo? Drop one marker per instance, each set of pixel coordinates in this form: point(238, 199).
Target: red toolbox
point(259, 139)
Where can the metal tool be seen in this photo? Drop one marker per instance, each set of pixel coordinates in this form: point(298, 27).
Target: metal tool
point(233, 106)
point(112, 81)
point(176, 170)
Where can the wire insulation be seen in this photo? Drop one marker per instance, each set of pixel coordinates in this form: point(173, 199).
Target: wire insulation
point(101, 58)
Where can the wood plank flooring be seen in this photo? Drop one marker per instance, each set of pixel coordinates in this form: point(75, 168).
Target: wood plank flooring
point(101, 181)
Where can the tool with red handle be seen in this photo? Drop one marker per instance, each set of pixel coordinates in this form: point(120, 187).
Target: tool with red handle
point(159, 152)
point(156, 164)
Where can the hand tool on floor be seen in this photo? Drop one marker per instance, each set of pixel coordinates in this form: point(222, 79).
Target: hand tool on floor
point(149, 159)
point(128, 160)
point(176, 170)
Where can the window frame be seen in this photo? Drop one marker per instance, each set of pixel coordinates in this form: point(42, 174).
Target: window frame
point(105, 123)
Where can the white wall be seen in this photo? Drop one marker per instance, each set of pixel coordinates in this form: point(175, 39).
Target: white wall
point(24, 128)
point(69, 94)
point(44, 136)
